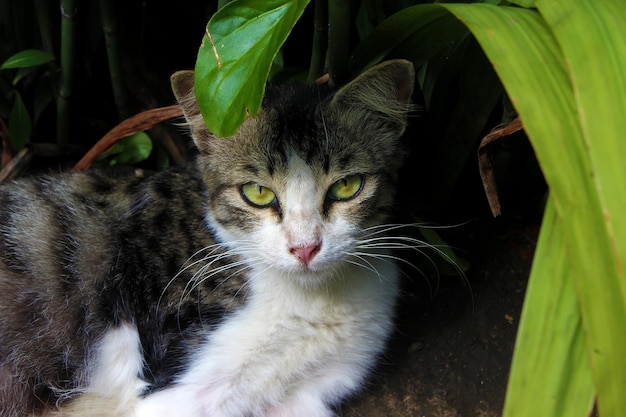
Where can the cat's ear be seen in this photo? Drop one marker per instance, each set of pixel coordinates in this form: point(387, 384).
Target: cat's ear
point(183, 88)
point(384, 91)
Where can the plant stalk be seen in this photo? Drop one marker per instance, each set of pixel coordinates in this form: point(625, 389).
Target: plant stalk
point(44, 20)
point(111, 39)
point(338, 40)
point(69, 12)
point(320, 40)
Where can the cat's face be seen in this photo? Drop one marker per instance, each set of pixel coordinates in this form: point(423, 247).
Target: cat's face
point(296, 187)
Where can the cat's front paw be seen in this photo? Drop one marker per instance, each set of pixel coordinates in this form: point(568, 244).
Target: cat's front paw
point(302, 407)
point(171, 402)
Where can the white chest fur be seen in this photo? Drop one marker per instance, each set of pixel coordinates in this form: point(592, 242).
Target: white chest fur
point(288, 352)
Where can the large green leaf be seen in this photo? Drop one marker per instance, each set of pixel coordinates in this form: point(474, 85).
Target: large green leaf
point(591, 35)
point(551, 364)
point(546, 78)
point(234, 60)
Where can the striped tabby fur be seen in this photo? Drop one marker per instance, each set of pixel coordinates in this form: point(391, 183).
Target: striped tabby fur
point(176, 295)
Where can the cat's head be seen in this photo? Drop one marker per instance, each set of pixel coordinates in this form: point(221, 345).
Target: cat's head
point(296, 186)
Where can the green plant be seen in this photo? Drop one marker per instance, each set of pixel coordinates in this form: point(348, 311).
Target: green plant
point(563, 66)
point(20, 121)
point(129, 150)
point(56, 55)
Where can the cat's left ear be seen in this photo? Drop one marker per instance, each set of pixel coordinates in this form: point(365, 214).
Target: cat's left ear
point(183, 88)
point(383, 91)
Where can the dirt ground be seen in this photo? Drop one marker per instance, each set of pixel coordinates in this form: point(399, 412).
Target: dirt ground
point(451, 354)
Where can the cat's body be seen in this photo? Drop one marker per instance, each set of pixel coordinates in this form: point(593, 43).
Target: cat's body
point(253, 282)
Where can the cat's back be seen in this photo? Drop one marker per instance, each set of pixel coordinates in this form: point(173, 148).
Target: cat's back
point(43, 218)
point(45, 209)
point(70, 248)
point(76, 231)
point(56, 229)
point(46, 220)
point(54, 241)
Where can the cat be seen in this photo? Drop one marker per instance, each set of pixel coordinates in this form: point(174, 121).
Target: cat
point(253, 282)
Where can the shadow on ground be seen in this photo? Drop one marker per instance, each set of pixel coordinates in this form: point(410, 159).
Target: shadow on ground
point(452, 352)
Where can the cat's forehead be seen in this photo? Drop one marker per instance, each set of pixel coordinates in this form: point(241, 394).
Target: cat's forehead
point(313, 139)
point(298, 122)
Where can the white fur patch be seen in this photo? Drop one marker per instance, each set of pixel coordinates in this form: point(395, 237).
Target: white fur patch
point(115, 383)
point(289, 352)
point(120, 363)
point(309, 333)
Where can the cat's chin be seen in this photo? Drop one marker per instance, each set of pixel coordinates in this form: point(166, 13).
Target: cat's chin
point(311, 276)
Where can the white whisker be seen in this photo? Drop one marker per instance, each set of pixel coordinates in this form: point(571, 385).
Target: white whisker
point(375, 240)
point(187, 265)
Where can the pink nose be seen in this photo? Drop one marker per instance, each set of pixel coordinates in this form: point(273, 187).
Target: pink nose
point(305, 253)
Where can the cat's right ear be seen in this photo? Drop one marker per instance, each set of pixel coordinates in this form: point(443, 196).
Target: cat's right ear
point(380, 94)
point(183, 88)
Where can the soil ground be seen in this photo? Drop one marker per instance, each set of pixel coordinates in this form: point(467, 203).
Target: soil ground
point(451, 354)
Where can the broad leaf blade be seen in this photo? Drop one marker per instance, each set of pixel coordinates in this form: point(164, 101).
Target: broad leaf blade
point(26, 59)
point(524, 3)
point(550, 365)
point(591, 35)
point(234, 60)
point(530, 62)
point(130, 150)
point(401, 35)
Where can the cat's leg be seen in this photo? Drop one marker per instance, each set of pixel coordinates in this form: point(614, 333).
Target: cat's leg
point(179, 400)
point(313, 397)
point(115, 383)
point(192, 400)
point(302, 406)
point(187, 402)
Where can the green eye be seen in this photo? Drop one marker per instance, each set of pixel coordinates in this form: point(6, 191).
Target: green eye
point(346, 188)
point(257, 195)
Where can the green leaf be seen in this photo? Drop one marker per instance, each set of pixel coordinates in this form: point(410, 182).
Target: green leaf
point(27, 58)
point(130, 150)
point(402, 35)
point(598, 77)
point(446, 260)
point(461, 114)
point(524, 3)
point(569, 93)
point(21, 73)
point(20, 125)
point(550, 364)
point(235, 58)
